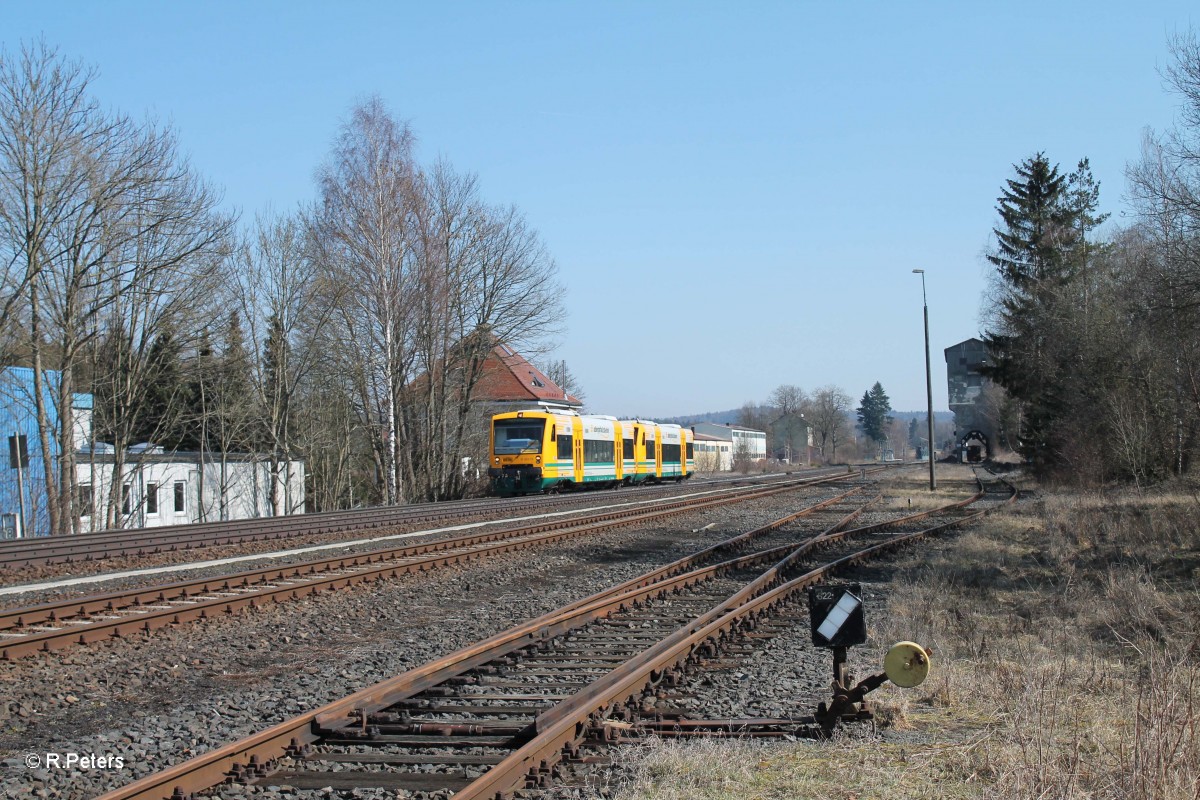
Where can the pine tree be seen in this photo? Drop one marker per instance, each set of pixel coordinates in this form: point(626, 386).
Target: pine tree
point(874, 413)
point(193, 423)
point(231, 393)
point(159, 421)
point(1041, 258)
point(1037, 223)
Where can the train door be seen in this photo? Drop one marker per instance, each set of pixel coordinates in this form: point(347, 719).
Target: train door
point(618, 450)
point(577, 426)
point(652, 453)
point(639, 453)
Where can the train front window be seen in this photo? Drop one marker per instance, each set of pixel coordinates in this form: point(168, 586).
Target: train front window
point(518, 436)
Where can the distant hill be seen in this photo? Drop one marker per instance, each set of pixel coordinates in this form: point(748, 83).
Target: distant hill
point(731, 416)
point(938, 416)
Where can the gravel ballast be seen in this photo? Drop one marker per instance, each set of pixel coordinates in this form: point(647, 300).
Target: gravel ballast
point(157, 700)
point(160, 699)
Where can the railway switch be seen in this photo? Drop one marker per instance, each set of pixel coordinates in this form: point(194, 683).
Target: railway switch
point(838, 622)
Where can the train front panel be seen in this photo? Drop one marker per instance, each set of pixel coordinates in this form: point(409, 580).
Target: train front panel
point(519, 447)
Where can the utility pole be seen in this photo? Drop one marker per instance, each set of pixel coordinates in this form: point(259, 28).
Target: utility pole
point(928, 380)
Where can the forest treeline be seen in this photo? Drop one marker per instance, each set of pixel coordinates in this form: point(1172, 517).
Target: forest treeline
point(1095, 338)
point(349, 333)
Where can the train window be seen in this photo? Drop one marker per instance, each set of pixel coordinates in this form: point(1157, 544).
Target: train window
point(565, 445)
point(650, 449)
point(670, 452)
point(690, 448)
point(598, 451)
point(628, 450)
point(518, 436)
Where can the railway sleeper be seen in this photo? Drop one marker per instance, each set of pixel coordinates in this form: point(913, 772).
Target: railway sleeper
point(401, 740)
point(368, 779)
point(401, 759)
point(476, 710)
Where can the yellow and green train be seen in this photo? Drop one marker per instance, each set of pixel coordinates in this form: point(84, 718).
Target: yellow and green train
point(542, 450)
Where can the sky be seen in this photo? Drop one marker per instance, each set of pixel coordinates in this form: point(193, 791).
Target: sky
point(735, 194)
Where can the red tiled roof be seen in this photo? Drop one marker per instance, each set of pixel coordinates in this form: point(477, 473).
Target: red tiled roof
point(508, 377)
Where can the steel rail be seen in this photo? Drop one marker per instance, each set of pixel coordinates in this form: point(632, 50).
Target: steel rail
point(561, 728)
point(293, 735)
point(49, 626)
point(98, 545)
point(156, 593)
point(214, 767)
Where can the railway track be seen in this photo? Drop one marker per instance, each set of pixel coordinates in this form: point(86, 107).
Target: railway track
point(513, 711)
point(82, 620)
point(86, 548)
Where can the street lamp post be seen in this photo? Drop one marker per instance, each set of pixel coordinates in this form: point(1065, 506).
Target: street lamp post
point(928, 379)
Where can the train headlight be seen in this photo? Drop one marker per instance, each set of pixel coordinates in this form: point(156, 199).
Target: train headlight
point(537, 459)
point(497, 459)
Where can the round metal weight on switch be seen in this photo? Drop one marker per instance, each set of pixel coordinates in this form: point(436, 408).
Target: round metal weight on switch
point(906, 664)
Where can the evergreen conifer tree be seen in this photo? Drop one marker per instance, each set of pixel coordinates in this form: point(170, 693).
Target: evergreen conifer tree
point(874, 413)
point(1041, 257)
point(159, 422)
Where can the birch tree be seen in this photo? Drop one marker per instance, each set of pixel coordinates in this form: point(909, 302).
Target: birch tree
point(367, 230)
point(430, 278)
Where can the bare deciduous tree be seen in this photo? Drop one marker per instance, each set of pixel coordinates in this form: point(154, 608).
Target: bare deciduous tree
point(430, 280)
point(789, 427)
point(561, 374)
point(368, 234)
point(830, 407)
point(93, 209)
point(286, 302)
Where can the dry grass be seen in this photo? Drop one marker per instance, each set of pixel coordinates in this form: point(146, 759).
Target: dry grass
point(1067, 665)
point(748, 770)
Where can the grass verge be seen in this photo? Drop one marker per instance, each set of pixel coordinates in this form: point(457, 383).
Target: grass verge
point(1066, 633)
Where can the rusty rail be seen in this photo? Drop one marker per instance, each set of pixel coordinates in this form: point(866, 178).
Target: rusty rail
point(99, 545)
point(50, 626)
point(561, 729)
point(558, 730)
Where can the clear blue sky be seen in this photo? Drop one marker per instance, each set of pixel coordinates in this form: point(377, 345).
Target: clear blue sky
point(768, 173)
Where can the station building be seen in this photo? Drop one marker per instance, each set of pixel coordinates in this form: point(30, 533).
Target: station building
point(161, 488)
point(712, 453)
point(744, 443)
point(510, 383)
